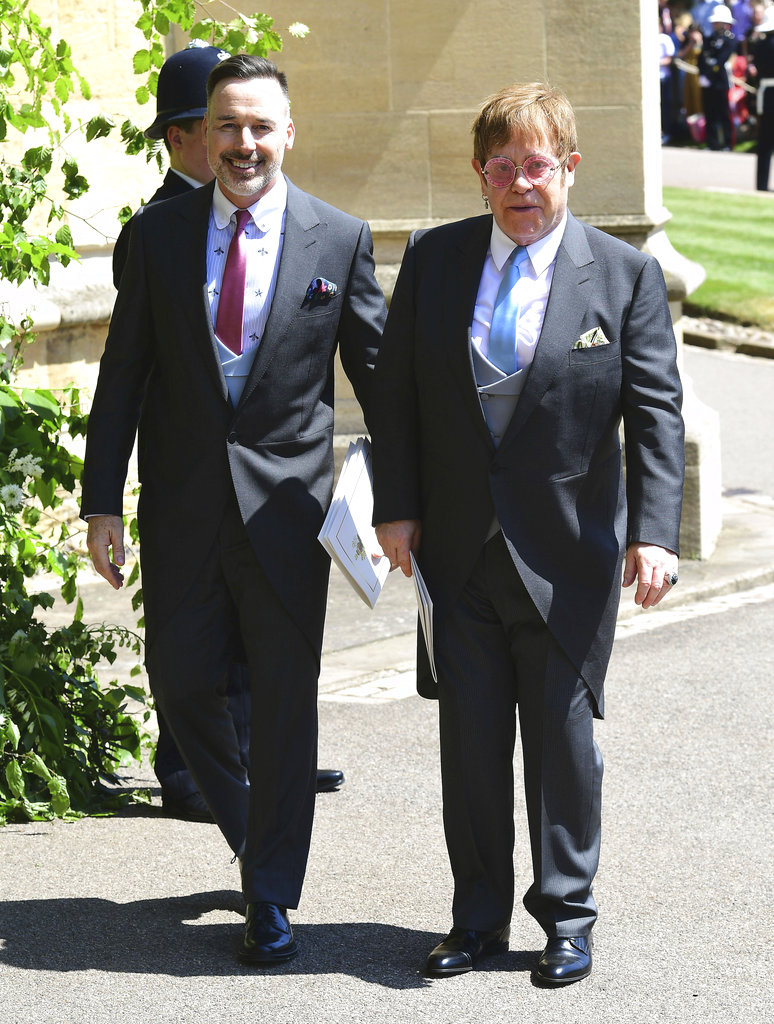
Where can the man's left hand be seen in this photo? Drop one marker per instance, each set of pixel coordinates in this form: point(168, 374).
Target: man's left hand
point(651, 567)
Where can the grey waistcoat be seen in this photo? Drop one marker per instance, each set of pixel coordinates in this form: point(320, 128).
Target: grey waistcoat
point(499, 396)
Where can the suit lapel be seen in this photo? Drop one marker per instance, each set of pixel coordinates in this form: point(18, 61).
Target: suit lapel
point(567, 303)
point(465, 266)
point(301, 252)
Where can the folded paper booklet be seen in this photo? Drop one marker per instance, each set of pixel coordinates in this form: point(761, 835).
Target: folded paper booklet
point(425, 607)
point(347, 534)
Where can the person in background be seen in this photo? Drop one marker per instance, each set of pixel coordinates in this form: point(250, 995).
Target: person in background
point(762, 60)
point(666, 52)
point(717, 50)
point(742, 13)
point(689, 45)
point(701, 13)
point(181, 103)
point(665, 17)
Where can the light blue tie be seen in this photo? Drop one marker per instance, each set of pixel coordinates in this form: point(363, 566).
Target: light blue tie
point(505, 317)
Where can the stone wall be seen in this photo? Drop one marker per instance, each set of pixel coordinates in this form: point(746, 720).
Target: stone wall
point(383, 95)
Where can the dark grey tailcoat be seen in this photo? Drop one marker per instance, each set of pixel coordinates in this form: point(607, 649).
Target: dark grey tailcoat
point(556, 481)
point(160, 369)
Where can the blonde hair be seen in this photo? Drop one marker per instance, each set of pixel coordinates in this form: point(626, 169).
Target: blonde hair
point(534, 110)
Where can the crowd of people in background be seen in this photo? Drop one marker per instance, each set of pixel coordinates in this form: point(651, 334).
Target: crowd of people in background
point(716, 69)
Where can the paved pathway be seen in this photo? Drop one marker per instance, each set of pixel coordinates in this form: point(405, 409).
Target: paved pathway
point(685, 167)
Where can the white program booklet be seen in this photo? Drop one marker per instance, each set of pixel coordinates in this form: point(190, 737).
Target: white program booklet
point(425, 606)
point(347, 534)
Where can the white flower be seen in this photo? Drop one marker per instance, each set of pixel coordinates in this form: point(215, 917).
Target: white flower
point(11, 495)
point(298, 29)
point(27, 465)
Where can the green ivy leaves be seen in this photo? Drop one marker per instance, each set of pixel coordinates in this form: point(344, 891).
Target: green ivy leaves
point(36, 73)
point(63, 734)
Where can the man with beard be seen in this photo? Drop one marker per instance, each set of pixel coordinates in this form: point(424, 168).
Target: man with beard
point(181, 103)
point(221, 347)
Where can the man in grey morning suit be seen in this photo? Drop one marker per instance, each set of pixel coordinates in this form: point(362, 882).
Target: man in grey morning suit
point(181, 102)
point(236, 464)
point(514, 346)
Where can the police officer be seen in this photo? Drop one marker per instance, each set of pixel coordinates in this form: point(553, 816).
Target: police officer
point(713, 78)
point(762, 46)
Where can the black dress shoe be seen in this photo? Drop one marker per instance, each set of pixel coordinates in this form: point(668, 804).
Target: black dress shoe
point(564, 960)
point(329, 779)
point(268, 935)
point(190, 807)
point(461, 948)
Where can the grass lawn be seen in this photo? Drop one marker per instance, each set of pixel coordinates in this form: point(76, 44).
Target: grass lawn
point(732, 237)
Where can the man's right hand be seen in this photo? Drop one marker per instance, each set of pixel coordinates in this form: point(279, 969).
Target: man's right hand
point(104, 533)
point(397, 539)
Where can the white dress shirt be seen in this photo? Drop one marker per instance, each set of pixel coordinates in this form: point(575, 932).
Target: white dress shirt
point(532, 290)
point(263, 237)
point(264, 234)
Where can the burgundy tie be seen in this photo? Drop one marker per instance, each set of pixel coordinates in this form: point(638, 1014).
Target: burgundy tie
point(232, 289)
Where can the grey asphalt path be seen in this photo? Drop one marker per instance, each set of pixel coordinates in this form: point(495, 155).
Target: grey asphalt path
point(741, 388)
point(685, 167)
point(136, 918)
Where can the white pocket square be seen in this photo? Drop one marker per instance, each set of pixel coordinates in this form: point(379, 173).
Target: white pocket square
point(592, 338)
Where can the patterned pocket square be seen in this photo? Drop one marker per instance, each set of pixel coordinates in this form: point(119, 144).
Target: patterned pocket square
point(321, 289)
point(591, 339)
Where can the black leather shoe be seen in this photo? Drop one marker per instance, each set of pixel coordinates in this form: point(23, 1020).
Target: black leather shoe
point(190, 807)
point(564, 961)
point(329, 779)
point(268, 935)
point(461, 948)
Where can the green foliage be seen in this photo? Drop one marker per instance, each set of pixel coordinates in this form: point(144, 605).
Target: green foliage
point(732, 237)
point(246, 33)
point(63, 735)
point(37, 78)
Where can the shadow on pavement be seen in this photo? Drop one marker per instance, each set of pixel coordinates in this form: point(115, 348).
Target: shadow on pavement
point(172, 937)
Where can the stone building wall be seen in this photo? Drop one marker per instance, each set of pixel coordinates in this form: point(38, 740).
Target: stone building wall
point(384, 92)
point(383, 95)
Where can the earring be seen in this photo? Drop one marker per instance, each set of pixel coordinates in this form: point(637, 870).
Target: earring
point(486, 199)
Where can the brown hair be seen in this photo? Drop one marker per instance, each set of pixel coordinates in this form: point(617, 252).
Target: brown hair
point(246, 67)
point(534, 110)
point(189, 125)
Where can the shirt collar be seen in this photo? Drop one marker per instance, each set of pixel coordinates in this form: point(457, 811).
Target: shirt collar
point(264, 211)
point(541, 254)
point(187, 178)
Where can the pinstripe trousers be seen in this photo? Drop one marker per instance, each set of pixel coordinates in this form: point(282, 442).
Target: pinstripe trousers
point(497, 661)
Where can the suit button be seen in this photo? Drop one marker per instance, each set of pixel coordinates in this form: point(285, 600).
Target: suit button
point(232, 437)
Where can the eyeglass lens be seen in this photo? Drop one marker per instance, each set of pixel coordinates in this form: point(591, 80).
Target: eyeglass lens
point(501, 172)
